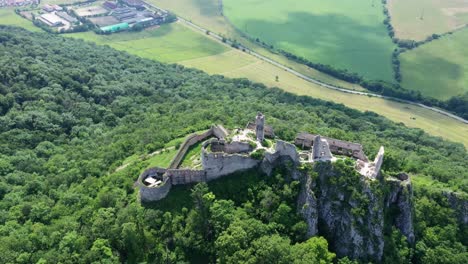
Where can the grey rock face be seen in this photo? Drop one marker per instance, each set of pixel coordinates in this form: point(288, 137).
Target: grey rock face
point(307, 206)
point(401, 197)
point(350, 217)
point(348, 209)
point(460, 205)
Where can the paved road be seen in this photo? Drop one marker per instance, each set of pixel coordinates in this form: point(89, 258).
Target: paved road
point(309, 79)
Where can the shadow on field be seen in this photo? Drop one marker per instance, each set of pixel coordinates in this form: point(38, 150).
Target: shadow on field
point(209, 8)
point(433, 76)
point(330, 39)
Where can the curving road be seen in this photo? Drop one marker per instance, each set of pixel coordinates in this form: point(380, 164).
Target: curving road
point(307, 78)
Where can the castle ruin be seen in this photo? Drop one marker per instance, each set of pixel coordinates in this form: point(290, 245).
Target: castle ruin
point(225, 152)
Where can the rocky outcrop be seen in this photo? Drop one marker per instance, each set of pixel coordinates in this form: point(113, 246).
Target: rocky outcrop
point(400, 201)
point(349, 209)
point(350, 212)
point(307, 206)
point(459, 204)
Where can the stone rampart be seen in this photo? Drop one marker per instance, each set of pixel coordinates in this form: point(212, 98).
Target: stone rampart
point(217, 131)
point(181, 176)
point(217, 165)
point(148, 194)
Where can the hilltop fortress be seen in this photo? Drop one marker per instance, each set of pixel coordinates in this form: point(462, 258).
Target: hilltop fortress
point(225, 152)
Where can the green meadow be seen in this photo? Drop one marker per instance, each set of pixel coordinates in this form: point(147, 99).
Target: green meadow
point(8, 17)
point(438, 69)
point(168, 43)
point(349, 35)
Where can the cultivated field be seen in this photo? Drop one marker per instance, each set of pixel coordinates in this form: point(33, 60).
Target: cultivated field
point(438, 69)
point(8, 17)
point(418, 19)
point(176, 43)
point(208, 14)
point(237, 64)
point(168, 43)
point(349, 35)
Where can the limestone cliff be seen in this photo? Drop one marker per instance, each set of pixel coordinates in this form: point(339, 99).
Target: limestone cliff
point(349, 209)
point(459, 203)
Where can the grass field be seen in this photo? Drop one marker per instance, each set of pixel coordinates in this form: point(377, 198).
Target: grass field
point(234, 63)
point(192, 158)
point(207, 13)
point(8, 17)
point(349, 35)
point(438, 69)
point(169, 43)
point(418, 19)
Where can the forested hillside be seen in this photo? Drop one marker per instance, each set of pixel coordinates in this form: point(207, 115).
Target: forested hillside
point(71, 112)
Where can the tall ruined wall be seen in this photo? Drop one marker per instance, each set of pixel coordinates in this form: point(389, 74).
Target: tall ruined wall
point(220, 164)
point(186, 176)
point(282, 150)
point(148, 194)
point(219, 131)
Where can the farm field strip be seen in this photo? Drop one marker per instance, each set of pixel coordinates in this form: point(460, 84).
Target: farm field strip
point(418, 19)
point(208, 14)
point(438, 69)
point(247, 66)
point(169, 43)
point(8, 17)
point(349, 36)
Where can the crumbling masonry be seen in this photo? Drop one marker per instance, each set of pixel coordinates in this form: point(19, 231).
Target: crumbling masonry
point(220, 157)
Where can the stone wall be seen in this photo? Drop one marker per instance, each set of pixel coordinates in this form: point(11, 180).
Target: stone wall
point(148, 194)
point(186, 176)
point(378, 162)
point(217, 131)
point(217, 165)
point(282, 150)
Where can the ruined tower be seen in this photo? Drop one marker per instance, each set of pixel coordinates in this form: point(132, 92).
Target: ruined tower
point(378, 162)
point(321, 149)
point(260, 127)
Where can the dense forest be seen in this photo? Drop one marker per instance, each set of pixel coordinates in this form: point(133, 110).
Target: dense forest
point(71, 112)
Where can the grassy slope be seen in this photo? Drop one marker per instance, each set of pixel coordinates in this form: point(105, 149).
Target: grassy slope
point(349, 35)
point(439, 68)
point(235, 63)
point(169, 43)
point(437, 17)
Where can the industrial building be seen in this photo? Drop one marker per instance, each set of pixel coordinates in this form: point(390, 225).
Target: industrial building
point(67, 17)
point(51, 19)
point(115, 28)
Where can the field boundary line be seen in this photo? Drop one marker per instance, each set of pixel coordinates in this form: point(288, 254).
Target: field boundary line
point(307, 78)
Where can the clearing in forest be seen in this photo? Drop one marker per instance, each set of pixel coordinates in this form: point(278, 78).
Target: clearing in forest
point(438, 69)
point(418, 19)
point(349, 35)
